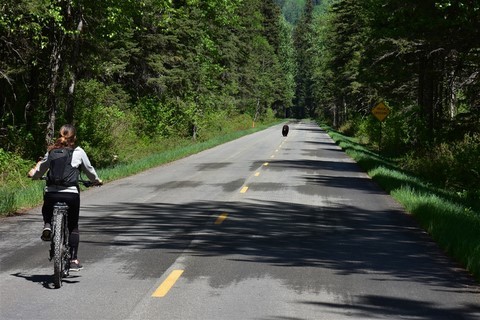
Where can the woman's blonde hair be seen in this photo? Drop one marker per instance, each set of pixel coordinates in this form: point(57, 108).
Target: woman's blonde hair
point(67, 139)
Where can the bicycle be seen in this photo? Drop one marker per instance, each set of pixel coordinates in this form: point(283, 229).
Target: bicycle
point(59, 246)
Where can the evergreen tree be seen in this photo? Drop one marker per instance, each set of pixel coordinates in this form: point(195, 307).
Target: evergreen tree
point(304, 102)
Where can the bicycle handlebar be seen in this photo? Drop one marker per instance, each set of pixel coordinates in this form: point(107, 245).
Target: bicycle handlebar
point(86, 183)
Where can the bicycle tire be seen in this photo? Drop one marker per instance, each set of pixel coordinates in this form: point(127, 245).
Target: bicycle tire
point(66, 248)
point(58, 247)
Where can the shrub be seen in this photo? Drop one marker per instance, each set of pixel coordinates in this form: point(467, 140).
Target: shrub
point(13, 169)
point(349, 128)
point(369, 131)
point(268, 116)
point(13, 175)
point(157, 119)
point(104, 123)
point(453, 165)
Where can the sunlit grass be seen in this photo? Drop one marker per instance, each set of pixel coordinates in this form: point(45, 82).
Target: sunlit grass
point(446, 216)
point(454, 227)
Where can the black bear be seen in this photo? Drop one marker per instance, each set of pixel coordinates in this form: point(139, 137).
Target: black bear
point(285, 130)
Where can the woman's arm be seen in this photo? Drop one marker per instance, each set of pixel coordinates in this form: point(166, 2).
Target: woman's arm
point(85, 165)
point(40, 168)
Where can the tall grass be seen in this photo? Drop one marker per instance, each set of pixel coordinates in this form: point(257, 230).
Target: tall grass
point(449, 218)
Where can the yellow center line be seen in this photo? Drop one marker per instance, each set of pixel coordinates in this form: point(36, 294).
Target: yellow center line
point(244, 189)
point(220, 218)
point(166, 285)
point(272, 156)
point(257, 174)
point(265, 164)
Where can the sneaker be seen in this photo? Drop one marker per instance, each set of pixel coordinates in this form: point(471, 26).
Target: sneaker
point(46, 233)
point(75, 265)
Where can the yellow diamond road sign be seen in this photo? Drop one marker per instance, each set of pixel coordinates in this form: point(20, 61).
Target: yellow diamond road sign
point(381, 111)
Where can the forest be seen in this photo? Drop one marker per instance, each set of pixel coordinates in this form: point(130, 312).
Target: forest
point(132, 74)
point(420, 58)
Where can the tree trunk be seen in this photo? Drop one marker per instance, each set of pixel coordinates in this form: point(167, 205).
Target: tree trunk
point(257, 113)
point(51, 95)
point(426, 92)
point(453, 96)
point(335, 116)
point(77, 18)
point(33, 94)
point(55, 66)
point(194, 132)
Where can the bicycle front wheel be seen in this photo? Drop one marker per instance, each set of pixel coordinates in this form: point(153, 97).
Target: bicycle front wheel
point(58, 249)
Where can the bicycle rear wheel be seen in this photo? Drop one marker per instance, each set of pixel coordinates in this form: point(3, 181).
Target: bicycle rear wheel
point(58, 248)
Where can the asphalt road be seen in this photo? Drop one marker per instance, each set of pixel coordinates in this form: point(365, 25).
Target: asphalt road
point(264, 227)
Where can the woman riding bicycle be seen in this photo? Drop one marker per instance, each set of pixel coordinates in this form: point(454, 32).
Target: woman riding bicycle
point(65, 192)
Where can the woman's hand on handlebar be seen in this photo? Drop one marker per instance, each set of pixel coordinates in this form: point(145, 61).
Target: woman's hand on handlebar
point(88, 183)
point(31, 172)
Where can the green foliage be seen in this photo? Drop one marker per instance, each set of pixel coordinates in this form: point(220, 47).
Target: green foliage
point(269, 116)
point(135, 76)
point(13, 167)
point(14, 134)
point(100, 131)
point(408, 53)
point(403, 52)
point(13, 172)
point(286, 54)
point(156, 119)
point(292, 9)
point(303, 41)
point(165, 66)
point(369, 130)
point(453, 165)
point(104, 125)
point(454, 227)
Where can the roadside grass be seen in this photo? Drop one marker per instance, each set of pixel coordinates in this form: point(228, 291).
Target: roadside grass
point(16, 198)
point(451, 220)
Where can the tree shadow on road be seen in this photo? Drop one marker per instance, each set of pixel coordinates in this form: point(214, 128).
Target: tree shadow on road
point(342, 238)
point(369, 305)
point(339, 240)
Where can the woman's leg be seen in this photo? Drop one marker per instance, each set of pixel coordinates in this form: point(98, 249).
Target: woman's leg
point(49, 200)
point(73, 215)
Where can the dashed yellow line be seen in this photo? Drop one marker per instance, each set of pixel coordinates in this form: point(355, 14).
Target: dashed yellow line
point(244, 189)
point(221, 218)
point(257, 174)
point(166, 285)
point(265, 164)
